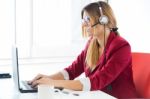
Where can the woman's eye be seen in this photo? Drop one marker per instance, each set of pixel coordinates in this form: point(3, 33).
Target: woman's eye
point(87, 18)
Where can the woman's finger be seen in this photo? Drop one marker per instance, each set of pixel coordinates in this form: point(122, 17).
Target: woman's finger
point(35, 78)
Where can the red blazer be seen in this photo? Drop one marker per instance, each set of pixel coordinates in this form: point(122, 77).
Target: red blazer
point(114, 75)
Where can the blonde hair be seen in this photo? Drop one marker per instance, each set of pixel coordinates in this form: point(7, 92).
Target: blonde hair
point(93, 11)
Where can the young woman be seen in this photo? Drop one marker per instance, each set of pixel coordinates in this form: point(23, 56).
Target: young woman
point(106, 59)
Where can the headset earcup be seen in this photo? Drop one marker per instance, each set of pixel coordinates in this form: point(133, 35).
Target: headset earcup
point(103, 20)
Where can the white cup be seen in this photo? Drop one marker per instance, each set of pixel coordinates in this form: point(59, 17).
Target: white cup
point(48, 92)
point(45, 92)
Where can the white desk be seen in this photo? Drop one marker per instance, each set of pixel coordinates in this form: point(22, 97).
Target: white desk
point(45, 92)
point(8, 90)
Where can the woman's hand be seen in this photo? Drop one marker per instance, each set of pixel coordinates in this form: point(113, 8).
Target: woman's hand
point(61, 83)
point(33, 82)
point(43, 81)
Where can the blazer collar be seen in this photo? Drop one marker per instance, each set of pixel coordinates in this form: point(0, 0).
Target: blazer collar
point(102, 58)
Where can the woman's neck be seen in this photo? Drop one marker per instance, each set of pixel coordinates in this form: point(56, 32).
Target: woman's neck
point(101, 38)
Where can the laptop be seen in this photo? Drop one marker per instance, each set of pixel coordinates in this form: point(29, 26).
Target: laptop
point(22, 86)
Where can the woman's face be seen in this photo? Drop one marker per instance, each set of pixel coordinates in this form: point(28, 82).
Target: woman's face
point(87, 24)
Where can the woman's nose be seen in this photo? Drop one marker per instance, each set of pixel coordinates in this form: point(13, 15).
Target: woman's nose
point(85, 24)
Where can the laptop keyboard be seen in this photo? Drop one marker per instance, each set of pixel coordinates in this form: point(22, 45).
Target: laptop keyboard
point(25, 83)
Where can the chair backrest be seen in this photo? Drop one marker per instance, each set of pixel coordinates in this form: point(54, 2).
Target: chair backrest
point(141, 73)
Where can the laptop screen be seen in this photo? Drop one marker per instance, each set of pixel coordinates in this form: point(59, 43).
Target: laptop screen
point(15, 66)
point(22, 86)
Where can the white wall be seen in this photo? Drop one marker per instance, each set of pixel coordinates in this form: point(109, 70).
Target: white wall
point(6, 27)
point(133, 22)
point(20, 17)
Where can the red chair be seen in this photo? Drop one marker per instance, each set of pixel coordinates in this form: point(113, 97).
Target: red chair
point(141, 73)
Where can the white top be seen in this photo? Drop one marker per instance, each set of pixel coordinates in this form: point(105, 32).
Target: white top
point(84, 81)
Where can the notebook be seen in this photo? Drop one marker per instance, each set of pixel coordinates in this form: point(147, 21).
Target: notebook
point(22, 86)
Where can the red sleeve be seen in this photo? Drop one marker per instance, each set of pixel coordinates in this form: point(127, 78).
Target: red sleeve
point(118, 59)
point(77, 67)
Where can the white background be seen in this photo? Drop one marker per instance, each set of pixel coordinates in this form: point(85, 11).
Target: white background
point(50, 30)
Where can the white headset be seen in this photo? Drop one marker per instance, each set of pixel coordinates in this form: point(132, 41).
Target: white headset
point(103, 18)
